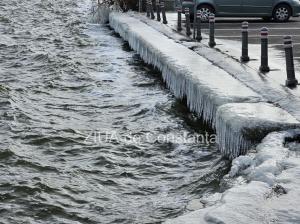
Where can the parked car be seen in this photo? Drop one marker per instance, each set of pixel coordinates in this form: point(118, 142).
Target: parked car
point(279, 10)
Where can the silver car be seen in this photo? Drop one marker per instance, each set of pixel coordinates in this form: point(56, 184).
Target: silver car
point(279, 10)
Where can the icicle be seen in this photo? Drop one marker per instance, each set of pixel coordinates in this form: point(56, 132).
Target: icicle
point(241, 126)
point(100, 14)
point(177, 79)
point(231, 142)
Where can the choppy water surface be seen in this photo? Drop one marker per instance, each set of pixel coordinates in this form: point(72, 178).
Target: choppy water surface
point(63, 80)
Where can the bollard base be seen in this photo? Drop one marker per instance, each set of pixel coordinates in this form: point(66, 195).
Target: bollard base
point(291, 82)
point(199, 38)
point(165, 22)
point(212, 44)
point(179, 29)
point(264, 68)
point(245, 58)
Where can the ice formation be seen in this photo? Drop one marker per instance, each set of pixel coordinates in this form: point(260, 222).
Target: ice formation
point(99, 14)
point(266, 191)
point(189, 76)
point(262, 181)
point(226, 56)
point(242, 125)
point(205, 86)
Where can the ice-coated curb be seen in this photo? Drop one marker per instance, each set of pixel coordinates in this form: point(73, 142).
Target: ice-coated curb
point(205, 86)
point(242, 125)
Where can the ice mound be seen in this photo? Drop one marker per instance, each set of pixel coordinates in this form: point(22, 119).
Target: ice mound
point(269, 192)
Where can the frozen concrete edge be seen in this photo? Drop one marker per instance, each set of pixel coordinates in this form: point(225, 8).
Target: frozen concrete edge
point(252, 78)
point(201, 99)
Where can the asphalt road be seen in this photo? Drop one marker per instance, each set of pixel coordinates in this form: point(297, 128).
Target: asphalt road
point(230, 28)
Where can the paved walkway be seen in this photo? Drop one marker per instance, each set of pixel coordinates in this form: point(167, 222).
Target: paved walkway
point(226, 56)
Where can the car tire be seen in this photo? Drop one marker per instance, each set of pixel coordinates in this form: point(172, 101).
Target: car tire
point(282, 13)
point(205, 11)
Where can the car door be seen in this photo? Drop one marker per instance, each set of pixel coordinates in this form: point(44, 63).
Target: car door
point(228, 7)
point(257, 7)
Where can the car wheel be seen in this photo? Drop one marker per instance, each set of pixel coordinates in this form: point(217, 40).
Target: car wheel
point(282, 13)
point(205, 11)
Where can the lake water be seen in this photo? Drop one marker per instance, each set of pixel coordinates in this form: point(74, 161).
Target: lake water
point(89, 133)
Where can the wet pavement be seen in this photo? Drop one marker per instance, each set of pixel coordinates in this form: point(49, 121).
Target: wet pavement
point(230, 28)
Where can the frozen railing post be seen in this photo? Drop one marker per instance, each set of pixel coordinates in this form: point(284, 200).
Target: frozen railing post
point(140, 6)
point(163, 11)
point(179, 23)
point(290, 68)
point(245, 57)
point(193, 25)
point(264, 66)
point(211, 42)
point(198, 26)
point(187, 21)
point(147, 9)
point(158, 10)
point(151, 9)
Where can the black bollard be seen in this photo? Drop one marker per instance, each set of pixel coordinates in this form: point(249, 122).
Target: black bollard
point(245, 57)
point(140, 6)
point(212, 42)
point(198, 26)
point(147, 8)
point(194, 25)
point(264, 66)
point(179, 23)
point(187, 21)
point(163, 12)
point(151, 9)
point(158, 11)
point(290, 68)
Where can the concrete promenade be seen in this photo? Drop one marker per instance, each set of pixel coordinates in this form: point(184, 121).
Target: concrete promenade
point(214, 84)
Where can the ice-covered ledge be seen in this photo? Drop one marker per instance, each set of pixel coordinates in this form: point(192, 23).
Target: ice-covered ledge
point(205, 86)
point(242, 125)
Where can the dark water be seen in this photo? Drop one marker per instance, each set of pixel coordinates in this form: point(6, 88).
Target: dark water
point(64, 81)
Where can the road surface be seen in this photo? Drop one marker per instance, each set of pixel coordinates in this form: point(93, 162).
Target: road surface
point(230, 28)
